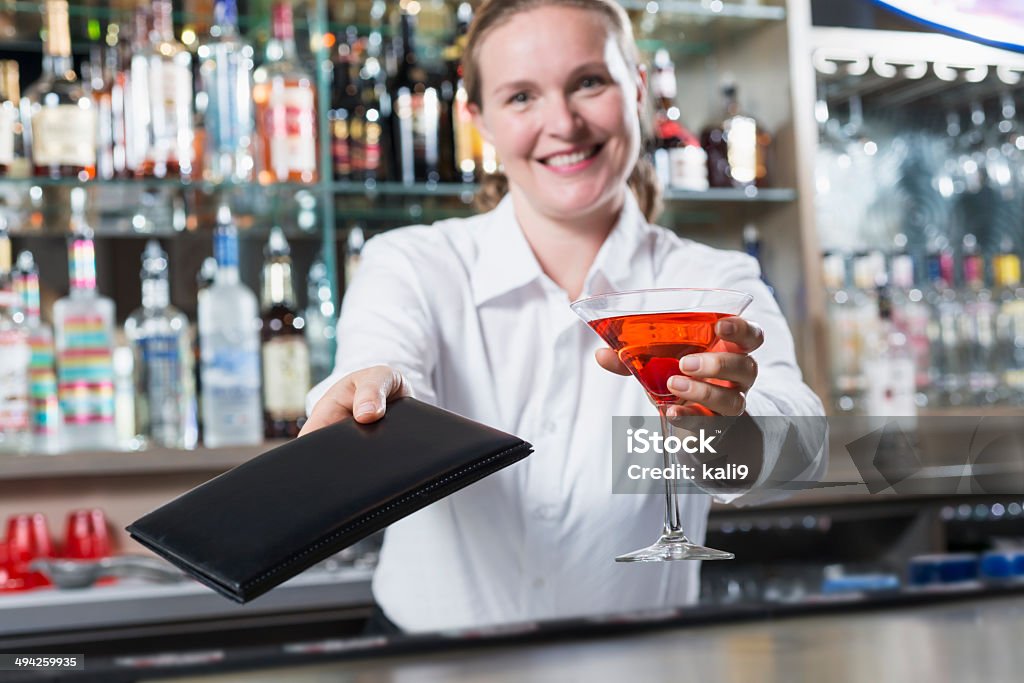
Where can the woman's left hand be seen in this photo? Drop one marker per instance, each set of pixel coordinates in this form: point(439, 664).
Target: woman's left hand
point(716, 380)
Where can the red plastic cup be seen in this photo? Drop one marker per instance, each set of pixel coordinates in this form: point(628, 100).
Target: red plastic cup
point(3, 565)
point(28, 538)
point(87, 537)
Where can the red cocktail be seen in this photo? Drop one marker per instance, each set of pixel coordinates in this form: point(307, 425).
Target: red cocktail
point(652, 330)
point(651, 344)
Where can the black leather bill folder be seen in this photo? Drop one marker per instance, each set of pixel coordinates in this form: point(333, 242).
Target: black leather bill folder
point(250, 529)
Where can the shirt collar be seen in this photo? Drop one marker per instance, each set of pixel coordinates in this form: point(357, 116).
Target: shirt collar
point(506, 262)
point(614, 268)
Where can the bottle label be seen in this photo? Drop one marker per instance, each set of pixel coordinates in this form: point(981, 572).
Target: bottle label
point(172, 107)
point(426, 118)
point(43, 384)
point(742, 140)
point(285, 377)
point(85, 371)
point(890, 386)
point(341, 148)
point(15, 356)
point(6, 134)
point(688, 168)
point(161, 375)
point(64, 135)
point(465, 159)
point(292, 130)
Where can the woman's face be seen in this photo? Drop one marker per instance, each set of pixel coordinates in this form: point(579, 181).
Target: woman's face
point(560, 106)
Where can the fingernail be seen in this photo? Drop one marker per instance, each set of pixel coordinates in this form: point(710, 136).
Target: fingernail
point(690, 364)
point(366, 408)
point(677, 383)
point(726, 327)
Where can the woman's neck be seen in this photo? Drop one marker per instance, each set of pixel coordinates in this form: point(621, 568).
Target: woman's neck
point(566, 248)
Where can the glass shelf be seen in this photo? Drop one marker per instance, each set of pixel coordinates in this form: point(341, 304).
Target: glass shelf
point(204, 186)
point(705, 11)
point(155, 461)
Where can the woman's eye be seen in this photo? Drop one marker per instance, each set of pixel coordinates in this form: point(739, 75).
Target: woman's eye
point(519, 98)
point(591, 82)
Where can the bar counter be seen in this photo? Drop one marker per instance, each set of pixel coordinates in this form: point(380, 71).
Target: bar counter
point(966, 640)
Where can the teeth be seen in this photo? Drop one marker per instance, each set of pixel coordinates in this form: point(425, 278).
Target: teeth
point(570, 159)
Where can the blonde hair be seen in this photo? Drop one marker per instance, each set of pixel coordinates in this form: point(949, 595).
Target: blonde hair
point(643, 180)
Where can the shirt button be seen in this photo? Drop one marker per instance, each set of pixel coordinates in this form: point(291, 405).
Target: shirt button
point(538, 584)
point(549, 427)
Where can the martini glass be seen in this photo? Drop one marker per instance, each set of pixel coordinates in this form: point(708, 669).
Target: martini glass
point(652, 329)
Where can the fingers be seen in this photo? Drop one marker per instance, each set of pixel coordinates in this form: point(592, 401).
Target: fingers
point(743, 334)
point(733, 367)
point(722, 400)
point(609, 360)
point(363, 394)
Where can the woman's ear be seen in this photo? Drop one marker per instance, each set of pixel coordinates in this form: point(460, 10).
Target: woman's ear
point(641, 84)
point(481, 124)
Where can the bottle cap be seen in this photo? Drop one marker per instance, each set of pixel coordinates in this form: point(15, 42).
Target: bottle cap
point(154, 260)
point(277, 245)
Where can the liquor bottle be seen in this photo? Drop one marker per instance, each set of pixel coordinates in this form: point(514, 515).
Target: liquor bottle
point(949, 380)
point(45, 408)
point(977, 326)
point(138, 116)
point(165, 410)
point(889, 366)
point(84, 338)
point(416, 111)
point(844, 338)
point(1009, 327)
point(736, 147)
point(229, 342)
point(370, 143)
point(170, 99)
point(285, 351)
point(285, 98)
point(10, 96)
point(678, 157)
point(226, 66)
point(61, 119)
point(463, 131)
point(344, 104)
point(110, 97)
point(320, 322)
point(125, 423)
point(868, 277)
point(911, 316)
point(15, 357)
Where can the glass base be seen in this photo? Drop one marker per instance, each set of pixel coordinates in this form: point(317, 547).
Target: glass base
point(670, 548)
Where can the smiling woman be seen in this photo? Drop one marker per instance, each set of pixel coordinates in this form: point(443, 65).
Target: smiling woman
point(472, 315)
point(616, 65)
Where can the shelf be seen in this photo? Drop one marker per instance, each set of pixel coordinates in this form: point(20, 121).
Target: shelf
point(137, 604)
point(153, 461)
point(690, 27)
point(705, 11)
point(750, 195)
point(204, 186)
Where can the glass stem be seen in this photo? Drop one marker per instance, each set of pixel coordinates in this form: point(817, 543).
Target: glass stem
point(673, 527)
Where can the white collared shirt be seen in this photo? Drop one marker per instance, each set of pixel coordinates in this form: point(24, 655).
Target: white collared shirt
point(463, 309)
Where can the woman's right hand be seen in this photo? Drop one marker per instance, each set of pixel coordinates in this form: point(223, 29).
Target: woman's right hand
point(362, 394)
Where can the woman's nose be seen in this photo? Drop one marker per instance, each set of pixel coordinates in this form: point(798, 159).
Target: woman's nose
point(562, 119)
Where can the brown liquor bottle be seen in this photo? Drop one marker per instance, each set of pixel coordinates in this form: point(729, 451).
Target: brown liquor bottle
point(285, 352)
point(61, 121)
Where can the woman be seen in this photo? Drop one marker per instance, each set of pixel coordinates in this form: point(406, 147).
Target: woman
point(473, 315)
